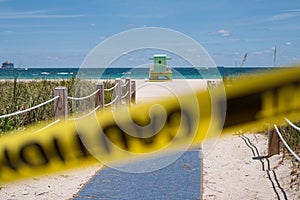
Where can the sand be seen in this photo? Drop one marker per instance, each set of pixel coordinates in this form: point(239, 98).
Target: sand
point(55, 186)
point(229, 170)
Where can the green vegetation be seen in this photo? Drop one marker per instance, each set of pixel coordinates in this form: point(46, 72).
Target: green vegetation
point(292, 137)
point(19, 95)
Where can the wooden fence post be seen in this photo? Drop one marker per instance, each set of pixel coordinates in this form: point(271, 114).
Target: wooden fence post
point(100, 96)
point(273, 142)
point(61, 103)
point(128, 90)
point(118, 92)
point(133, 92)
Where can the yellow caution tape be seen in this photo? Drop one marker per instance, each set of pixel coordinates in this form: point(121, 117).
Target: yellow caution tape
point(169, 124)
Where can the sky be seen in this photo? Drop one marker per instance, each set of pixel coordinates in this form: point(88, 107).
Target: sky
point(60, 33)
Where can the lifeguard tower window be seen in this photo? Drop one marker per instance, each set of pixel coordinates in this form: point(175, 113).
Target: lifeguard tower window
point(159, 61)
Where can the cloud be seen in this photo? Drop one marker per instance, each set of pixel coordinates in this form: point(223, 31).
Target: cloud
point(289, 44)
point(141, 16)
point(258, 53)
point(223, 32)
point(284, 16)
point(102, 37)
point(130, 25)
point(36, 14)
point(264, 51)
point(52, 58)
point(288, 14)
point(294, 10)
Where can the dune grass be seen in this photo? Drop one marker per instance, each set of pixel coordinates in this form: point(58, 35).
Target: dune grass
point(19, 95)
point(292, 137)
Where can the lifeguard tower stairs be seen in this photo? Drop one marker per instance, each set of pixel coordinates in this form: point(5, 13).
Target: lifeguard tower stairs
point(159, 71)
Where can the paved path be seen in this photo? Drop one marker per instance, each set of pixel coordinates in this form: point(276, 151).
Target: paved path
point(179, 180)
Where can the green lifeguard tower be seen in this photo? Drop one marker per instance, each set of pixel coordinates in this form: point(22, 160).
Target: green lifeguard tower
point(159, 71)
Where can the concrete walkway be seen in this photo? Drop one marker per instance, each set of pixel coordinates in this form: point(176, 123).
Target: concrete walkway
point(179, 180)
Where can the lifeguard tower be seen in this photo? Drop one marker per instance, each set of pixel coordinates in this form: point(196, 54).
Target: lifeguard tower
point(159, 71)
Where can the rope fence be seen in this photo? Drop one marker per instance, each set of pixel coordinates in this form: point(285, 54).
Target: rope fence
point(112, 88)
point(285, 144)
point(61, 98)
point(274, 138)
point(83, 98)
point(29, 109)
point(125, 84)
point(49, 125)
point(125, 95)
point(112, 102)
point(292, 125)
point(86, 115)
point(61, 105)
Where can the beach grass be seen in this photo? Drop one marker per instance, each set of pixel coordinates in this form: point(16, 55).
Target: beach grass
point(18, 95)
point(292, 137)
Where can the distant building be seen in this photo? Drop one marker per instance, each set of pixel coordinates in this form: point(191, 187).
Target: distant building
point(7, 65)
point(160, 71)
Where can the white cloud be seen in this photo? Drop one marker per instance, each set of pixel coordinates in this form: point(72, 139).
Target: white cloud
point(52, 58)
point(236, 53)
point(223, 32)
point(289, 44)
point(102, 37)
point(294, 10)
point(130, 25)
point(288, 14)
point(269, 50)
point(258, 53)
point(284, 16)
point(46, 14)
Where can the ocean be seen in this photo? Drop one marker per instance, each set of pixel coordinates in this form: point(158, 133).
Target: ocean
point(123, 72)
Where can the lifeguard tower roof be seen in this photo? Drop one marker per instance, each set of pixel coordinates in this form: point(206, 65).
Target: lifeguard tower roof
point(160, 55)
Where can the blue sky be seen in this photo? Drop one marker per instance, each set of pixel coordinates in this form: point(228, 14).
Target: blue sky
point(35, 33)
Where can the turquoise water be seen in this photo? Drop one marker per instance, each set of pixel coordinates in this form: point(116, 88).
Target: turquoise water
point(112, 73)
